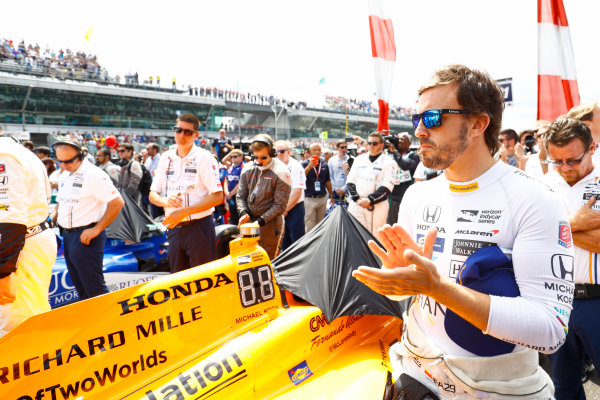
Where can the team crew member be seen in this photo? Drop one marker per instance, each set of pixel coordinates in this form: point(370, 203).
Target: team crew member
point(186, 184)
point(294, 211)
point(87, 203)
point(318, 185)
point(265, 187)
point(370, 182)
point(233, 183)
point(407, 162)
point(27, 246)
point(576, 178)
point(339, 166)
point(103, 162)
point(475, 336)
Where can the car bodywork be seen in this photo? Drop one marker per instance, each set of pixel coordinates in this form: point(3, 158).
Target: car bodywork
point(222, 330)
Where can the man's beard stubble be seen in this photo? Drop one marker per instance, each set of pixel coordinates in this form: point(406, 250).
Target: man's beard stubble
point(445, 154)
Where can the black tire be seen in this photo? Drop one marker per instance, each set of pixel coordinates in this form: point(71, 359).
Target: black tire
point(225, 233)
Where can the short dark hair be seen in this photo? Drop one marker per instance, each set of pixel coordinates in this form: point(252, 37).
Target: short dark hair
point(43, 150)
point(477, 93)
point(564, 130)
point(28, 144)
point(511, 134)
point(153, 145)
point(104, 152)
point(377, 135)
point(126, 146)
point(190, 118)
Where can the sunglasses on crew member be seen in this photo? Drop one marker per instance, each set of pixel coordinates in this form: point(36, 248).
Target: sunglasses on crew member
point(186, 132)
point(556, 163)
point(281, 151)
point(373, 143)
point(259, 158)
point(69, 161)
point(433, 118)
point(343, 147)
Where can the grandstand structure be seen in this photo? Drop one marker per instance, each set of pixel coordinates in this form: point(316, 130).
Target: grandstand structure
point(43, 105)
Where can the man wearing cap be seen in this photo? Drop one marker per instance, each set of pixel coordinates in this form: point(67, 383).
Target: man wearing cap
point(27, 246)
point(481, 248)
point(265, 187)
point(87, 203)
point(186, 184)
point(221, 146)
point(575, 177)
point(294, 211)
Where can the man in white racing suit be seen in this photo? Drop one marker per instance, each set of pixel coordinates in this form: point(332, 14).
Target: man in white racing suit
point(476, 246)
point(369, 184)
point(27, 246)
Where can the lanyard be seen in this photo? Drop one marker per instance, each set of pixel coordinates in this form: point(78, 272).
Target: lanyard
point(318, 172)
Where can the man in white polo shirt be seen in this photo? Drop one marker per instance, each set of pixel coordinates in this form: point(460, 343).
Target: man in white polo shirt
point(27, 246)
point(294, 211)
point(87, 203)
point(186, 184)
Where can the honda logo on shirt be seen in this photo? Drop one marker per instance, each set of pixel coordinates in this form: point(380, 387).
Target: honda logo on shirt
point(431, 214)
point(563, 266)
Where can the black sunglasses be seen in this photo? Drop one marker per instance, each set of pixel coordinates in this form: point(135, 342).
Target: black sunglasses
point(260, 158)
point(69, 161)
point(186, 132)
point(433, 118)
point(281, 151)
point(373, 143)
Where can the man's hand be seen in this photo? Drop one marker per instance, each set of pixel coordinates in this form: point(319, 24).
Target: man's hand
point(175, 201)
point(88, 234)
point(503, 152)
point(364, 202)
point(174, 218)
point(585, 218)
point(243, 220)
point(5, 295)
point(340, 192)
point(396, 241)
point(520, 152)
point(419, 276)
point(312, 163)
point(346, 167)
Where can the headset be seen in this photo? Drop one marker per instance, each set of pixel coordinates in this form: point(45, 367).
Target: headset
point(71, 143)
point(267, 141)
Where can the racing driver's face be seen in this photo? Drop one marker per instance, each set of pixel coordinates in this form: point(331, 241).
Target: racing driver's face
point(440, 147)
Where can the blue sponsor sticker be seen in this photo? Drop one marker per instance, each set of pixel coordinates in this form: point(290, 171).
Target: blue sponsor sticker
point(300, 373)
point(438, 246)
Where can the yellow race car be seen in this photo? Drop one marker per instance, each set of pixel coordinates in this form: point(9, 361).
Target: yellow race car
point(223, 330)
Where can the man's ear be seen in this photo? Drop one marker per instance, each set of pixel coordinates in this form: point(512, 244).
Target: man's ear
point(479, 123)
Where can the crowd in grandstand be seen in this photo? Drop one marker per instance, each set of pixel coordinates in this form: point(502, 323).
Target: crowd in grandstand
point(356, 106)
point(62, 64)
point(78, 65)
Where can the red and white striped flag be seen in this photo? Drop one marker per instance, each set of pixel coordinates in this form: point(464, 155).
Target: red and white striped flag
point(383, 48)
point(557, 82)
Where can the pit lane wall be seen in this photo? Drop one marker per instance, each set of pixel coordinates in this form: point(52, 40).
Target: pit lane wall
point(216, 330)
